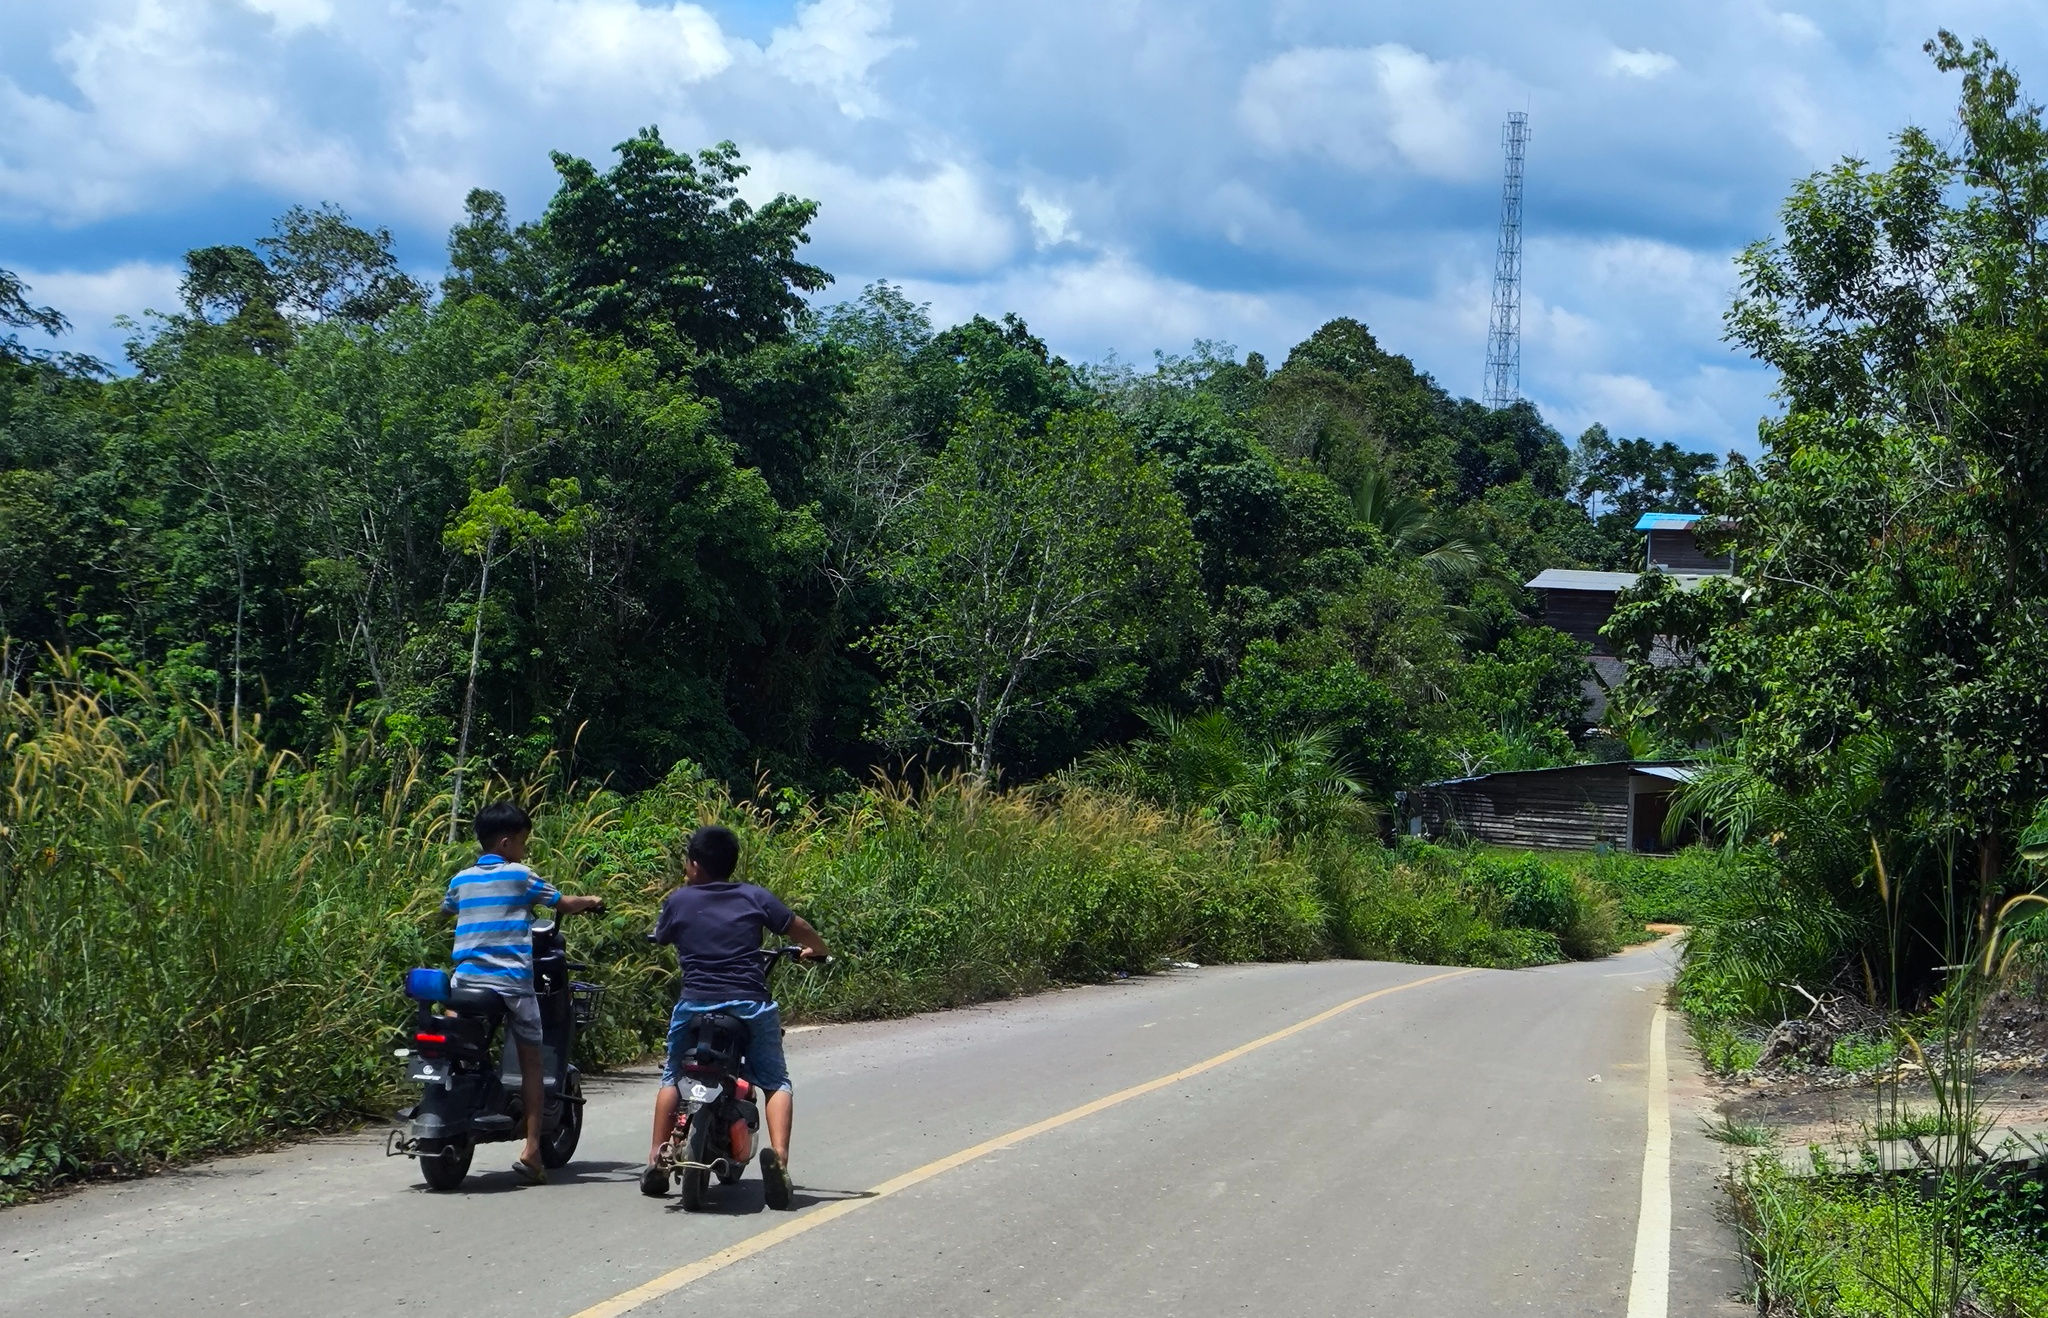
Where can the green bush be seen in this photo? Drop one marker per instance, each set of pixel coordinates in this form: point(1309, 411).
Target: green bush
point(1675, 889)
point(1550, 894)
point(202, 941)
point(1529, 894)
point(1756, 934)
point(1824, 1246)
point(1863, 1052)
point(1724, 1049)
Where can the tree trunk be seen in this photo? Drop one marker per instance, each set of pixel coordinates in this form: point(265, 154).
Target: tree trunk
point(476, 644)
point(241, 601)
point(1990, 867)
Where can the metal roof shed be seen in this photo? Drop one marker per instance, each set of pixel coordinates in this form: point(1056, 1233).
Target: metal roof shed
point(1575, 807)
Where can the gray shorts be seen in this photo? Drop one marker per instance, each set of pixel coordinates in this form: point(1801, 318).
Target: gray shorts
point(522, 1011)
point(522, 1016)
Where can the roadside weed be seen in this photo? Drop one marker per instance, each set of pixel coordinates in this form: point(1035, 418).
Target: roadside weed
point(1739, 1134)
point(1723, 1048)
point(202, 938)
point(1863, 1052)
point(1907, 1125)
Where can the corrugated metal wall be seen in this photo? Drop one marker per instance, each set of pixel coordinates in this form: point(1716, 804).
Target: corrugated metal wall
point(1572, 809)
point(1677, 551)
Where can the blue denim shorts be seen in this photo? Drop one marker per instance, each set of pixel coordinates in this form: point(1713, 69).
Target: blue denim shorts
point(764, 1064)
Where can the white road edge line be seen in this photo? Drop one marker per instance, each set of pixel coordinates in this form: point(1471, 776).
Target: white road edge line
point(1649, 1287)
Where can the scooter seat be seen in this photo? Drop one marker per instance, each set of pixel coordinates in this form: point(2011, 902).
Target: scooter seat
point(480, 1002)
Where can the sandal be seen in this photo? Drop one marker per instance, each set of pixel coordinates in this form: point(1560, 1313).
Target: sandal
point(775, 1184)
point(532, 1173)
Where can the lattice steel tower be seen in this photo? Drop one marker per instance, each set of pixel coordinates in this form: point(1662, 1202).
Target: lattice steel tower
point(1504, 338)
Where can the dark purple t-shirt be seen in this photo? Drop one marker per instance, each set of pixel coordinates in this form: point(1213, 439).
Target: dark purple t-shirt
point(715, 929)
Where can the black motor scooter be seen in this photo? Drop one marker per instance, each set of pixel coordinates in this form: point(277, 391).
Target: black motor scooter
point(467, 1065)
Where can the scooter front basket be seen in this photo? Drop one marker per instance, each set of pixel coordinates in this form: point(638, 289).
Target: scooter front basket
point(583, 1001)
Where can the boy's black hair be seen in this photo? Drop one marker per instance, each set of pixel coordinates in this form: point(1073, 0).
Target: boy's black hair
point(501, 819)
point(717, 849)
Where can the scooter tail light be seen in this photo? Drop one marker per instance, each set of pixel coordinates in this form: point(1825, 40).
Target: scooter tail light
point(430, 1038)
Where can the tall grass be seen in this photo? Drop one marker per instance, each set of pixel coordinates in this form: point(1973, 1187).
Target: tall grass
point(196, 933)
point(201, 938)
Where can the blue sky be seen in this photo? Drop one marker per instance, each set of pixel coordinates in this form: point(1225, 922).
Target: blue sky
point(1129, 176)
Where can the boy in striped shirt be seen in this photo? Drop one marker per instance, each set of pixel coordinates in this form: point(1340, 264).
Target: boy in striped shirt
point(492, 902)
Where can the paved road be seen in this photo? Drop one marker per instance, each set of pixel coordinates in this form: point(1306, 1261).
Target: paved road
point(1444, 1149)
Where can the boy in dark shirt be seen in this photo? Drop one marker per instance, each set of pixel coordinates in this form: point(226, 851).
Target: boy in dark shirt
point(715, 926)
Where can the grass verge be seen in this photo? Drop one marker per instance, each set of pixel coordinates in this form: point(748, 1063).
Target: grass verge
point(1861, 1247)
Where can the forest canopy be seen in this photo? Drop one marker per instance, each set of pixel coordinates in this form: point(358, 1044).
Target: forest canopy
point(627, 490)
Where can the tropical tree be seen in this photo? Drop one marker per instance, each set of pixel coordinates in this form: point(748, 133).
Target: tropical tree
point(1027, 553)
point(1891, 545)
point(1294, 782)
point(1412, 530)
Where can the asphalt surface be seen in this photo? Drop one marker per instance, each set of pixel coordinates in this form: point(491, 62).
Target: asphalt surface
point(1472, 1145)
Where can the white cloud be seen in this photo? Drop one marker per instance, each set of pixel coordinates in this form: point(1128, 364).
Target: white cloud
point(291, 15)
point(942, 221)
point(1371, 108)
point(833, 45)
point(609, 46)
point(1131, 173)
point(151, 93)
point(1798, 26)
point(1051, 222)
point(1627, 402)
point(1113, 304)
point(1644, 64)
point(94, 299)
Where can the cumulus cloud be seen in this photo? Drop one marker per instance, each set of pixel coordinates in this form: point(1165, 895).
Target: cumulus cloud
point(832, 45)
point(579, 46)
point(94, 300)
point(291, 15)
point(1051, 222)
point(1111, 304)
point(1372, 108)
point(154, 90)
point(1128, 175)
point(943, 220)
point(1798, 26)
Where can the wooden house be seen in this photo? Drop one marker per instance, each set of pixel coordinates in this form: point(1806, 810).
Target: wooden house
point(1670, 544)
point(1579, 603)
point(1577, 807)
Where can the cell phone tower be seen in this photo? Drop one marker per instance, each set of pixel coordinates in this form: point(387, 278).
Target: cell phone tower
point(1504, 337)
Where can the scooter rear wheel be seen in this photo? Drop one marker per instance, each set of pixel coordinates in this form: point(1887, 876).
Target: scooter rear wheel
point(695, 1183)
point(444, 1163)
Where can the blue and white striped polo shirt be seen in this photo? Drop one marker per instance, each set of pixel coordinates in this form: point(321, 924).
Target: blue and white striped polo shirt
point(493, 903)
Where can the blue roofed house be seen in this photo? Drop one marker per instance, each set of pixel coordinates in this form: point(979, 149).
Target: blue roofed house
point(1669, 545)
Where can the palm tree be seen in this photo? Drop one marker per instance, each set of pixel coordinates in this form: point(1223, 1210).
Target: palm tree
point(1410, 528)
point(1206, 762)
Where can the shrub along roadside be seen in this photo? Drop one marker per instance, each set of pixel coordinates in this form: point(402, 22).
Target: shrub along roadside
point(1835, 1245)
point(200, 940)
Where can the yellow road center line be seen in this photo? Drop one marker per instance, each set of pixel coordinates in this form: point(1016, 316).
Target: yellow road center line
point(669, 1282)
point(1649, 1287)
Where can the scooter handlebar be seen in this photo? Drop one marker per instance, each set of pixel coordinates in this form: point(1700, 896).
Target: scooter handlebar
point(793, 953)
